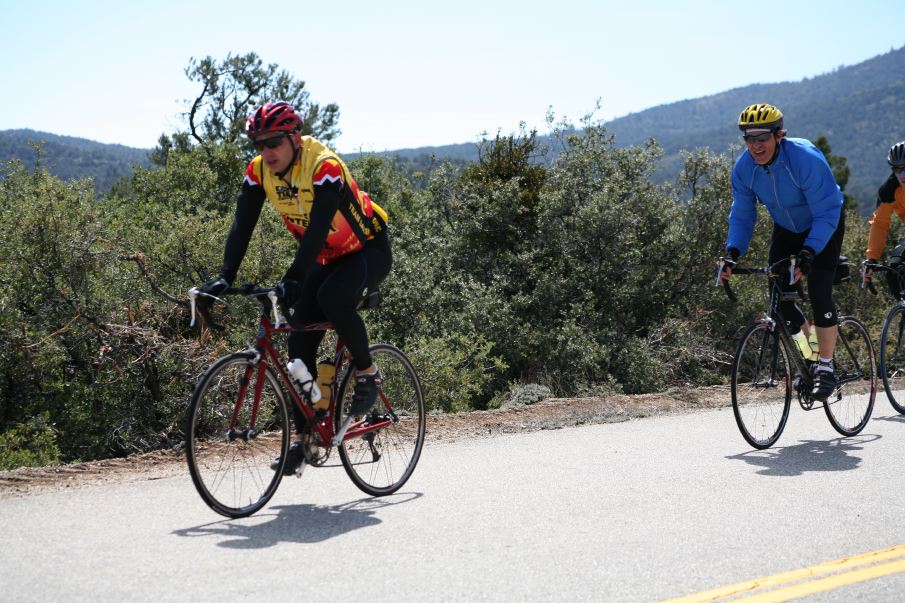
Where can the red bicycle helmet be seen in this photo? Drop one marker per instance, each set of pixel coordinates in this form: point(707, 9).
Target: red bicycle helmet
point(273, 117)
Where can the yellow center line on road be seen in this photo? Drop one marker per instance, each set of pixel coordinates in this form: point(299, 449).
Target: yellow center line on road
point(748, 591)
point(816, 586)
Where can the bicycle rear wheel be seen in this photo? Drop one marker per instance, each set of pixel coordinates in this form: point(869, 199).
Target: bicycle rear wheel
point(229, 459)
point(892, 357)
point(761, 386)
point(381, 461)
point(849, 407)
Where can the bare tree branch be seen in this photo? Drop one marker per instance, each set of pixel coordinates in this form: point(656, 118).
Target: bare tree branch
point(139, 259)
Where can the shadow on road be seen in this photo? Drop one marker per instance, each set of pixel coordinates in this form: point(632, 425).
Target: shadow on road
point(810, 455)
point(296, 523)
point(897, 418)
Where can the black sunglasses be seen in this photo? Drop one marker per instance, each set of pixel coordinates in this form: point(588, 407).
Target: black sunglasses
point(898, 169)
point(269, 143)
point(757, 138)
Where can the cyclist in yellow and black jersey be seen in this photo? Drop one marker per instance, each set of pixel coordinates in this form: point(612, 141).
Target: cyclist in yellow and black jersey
point(344, 248)
point(890, 198)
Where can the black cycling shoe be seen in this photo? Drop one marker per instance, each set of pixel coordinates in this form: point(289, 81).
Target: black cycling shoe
point(824, 385)
point(294, 458)
point(365, 393)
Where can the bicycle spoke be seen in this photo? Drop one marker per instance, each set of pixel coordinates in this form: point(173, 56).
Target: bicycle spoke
point(892, 358)
point(761, 386)
point(380, 461)
point(231, 467)
point(850, 406)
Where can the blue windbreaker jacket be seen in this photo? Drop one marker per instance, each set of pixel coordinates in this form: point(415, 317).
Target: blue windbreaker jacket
point(797, 188)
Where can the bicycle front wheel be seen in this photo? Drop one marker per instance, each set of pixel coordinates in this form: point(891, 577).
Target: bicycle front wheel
point(232, 438)
point(849, 407)
point(761, 386)
point(381, 461)
point(892, 357)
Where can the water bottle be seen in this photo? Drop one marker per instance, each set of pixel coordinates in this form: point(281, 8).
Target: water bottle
point(325, 373)
point(801, 340)
point(303, 379)
point(812, 341)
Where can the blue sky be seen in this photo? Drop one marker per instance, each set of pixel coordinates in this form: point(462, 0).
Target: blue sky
point(409, 74)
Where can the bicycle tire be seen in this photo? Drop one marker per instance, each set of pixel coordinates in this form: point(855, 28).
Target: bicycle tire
point(232, 473)
point(761, 386)
point(849, 407)
point(380, 462)
point(892, 357)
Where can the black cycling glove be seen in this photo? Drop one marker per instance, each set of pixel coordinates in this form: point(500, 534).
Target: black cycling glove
point(805, 260)
point(288, 291)
point(215, 286)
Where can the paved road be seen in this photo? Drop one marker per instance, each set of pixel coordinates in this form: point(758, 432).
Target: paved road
point(640, 511)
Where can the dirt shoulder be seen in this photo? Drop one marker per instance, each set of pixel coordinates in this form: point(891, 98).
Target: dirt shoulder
point(554, 413)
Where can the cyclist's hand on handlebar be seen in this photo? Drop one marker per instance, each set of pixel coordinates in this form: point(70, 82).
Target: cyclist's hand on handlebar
point(867, 274)
point(288, 291)
point(202, 298)
point(868, 269)
point(726, 271)
point(727, 263)
point(214, 287)
point(804, 262)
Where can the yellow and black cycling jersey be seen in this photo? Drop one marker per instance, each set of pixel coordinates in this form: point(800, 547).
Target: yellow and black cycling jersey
point(318, 200)
point(358, 218)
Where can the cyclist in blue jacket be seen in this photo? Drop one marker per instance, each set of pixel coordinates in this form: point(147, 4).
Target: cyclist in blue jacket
point(793, 180)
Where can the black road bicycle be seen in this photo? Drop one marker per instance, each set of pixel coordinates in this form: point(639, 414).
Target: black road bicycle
point(892, 340)
point(769, 367)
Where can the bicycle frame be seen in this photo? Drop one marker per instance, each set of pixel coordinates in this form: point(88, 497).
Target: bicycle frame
point(323, 423)
point(775, 317)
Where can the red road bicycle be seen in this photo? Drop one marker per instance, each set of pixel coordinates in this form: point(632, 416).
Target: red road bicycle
point(238, 421)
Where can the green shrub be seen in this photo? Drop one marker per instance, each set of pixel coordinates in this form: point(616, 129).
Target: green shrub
point(525, 275)
point(30, 444)
point(522, 394)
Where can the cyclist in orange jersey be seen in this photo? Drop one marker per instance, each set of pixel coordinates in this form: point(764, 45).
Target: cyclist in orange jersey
point(890, 198)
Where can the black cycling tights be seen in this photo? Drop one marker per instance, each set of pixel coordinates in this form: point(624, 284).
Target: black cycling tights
point(820, 280)
point(331, 292)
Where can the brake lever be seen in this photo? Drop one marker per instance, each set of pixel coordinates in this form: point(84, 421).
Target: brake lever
point(277, 316)
point(867, 283)
point(193, 294)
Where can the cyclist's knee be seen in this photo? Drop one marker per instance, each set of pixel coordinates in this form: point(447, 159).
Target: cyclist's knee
point(825, 312)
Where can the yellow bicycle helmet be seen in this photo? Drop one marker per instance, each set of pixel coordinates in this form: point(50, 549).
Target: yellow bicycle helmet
point(760, 116)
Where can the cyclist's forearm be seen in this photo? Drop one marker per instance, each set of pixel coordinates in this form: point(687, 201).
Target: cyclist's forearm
point(248, 210)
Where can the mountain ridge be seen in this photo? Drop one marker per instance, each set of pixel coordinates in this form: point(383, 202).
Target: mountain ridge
point(69, 157)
